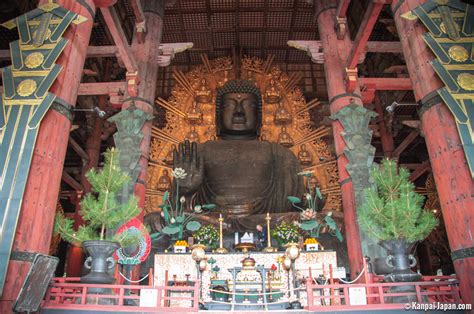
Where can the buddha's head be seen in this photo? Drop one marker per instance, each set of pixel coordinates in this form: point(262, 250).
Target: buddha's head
point(238, 110)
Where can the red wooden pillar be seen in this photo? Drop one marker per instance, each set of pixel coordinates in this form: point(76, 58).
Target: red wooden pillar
point(146, 54)
point(336, 53)
point(33, 232)
point(453, 179)
point(385, 135)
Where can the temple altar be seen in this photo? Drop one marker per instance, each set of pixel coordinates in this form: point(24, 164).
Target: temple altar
point(180, 267)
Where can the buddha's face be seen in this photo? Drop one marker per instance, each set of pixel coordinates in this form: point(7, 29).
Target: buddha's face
point(239, 114)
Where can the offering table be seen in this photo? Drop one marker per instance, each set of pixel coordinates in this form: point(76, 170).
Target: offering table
point(180, 264)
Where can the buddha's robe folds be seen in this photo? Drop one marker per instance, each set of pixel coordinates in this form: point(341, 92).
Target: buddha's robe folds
point(248, 177)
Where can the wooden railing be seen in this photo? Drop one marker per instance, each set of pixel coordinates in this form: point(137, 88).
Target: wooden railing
point(378, 295)
point(70, 294)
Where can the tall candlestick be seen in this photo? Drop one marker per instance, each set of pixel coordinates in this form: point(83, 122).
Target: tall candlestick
point(269, 247)
point(221, 248)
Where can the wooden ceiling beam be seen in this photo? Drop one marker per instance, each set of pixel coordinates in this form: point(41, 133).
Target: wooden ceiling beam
point(120, 40)
point(405, 143)
point(67, 178)
point(368, 22)
point(386, 83)
point(111, 51)
point(342, 7)
point(420, 170)
point(102, 88)
point(78, 149)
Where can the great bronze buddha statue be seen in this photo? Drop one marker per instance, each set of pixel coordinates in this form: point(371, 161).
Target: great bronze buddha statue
point(244, 177)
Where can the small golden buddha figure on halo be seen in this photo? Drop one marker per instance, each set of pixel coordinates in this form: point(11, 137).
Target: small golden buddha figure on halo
point(164, 182)
point(204, 94)
point(284, 138)
point(272, 96)
point(169, 157)
point(194, 115)
point(304, 156)
point(192, 135)
point(282, 116)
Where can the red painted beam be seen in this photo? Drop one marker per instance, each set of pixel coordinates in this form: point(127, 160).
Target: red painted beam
point(116, 30)
point(370, 17)
point(386, 83)
point(420, 170)
point(66, 177)
point(78, 149)
point(384, 46)
point(386, 136)
point(101, 51)
point(102, 88)
point(342, 7)
point(137, 11)
point(405, 143)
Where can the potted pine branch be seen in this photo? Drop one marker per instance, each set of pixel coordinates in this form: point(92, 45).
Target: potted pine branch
point(101, 211)
point(394, 214)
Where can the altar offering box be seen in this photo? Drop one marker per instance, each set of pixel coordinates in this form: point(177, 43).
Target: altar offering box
point(312, 247)
point(179, 249)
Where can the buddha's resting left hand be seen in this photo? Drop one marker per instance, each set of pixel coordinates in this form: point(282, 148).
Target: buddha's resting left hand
point(186, 157)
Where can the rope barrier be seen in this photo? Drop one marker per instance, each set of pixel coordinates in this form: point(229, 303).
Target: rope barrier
point(358, 277)
point(133, 281)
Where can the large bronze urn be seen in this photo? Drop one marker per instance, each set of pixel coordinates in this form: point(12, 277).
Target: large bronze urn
point(100, 261)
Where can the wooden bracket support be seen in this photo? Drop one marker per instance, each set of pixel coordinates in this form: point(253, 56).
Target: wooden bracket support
point(167, 52)
point(351, 79)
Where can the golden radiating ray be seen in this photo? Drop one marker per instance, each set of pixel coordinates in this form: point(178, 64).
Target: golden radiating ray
point(268, 64)
point(205, 61)
point(160, 165)
point(163, 103)
point(163, 135)
point(291, 84)
point(323, 164)
point(313, 103)
point(316, 134)
point(183, 81)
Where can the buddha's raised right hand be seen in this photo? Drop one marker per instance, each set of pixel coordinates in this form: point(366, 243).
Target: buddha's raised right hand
point(186, 157)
